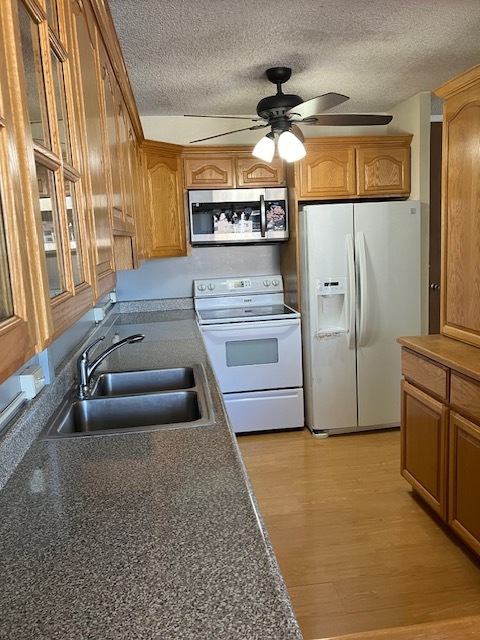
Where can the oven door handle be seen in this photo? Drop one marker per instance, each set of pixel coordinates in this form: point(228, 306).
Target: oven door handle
point(263, 217)
point(246, 325)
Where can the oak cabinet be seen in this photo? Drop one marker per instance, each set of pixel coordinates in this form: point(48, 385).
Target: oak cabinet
point(440, 429)
point(165, 200)
point(232, 167)
point(86, 55)
point(328, 173)
point(17, 329)
point(209, 172)
point(460, 302)
point(252, 172)
point(424, 446)
point(383, 171)
point(345, 168)
point(464, 480)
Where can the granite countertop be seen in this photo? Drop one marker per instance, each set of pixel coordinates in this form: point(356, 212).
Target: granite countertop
point(140, 535)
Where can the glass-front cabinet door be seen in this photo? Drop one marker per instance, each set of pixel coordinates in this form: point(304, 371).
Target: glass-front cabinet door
point(17, 331)
point(58, 205)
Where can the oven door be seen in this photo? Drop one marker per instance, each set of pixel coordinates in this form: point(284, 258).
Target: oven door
point(251, 356)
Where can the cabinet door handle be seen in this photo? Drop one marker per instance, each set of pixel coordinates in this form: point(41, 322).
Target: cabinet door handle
point(434, 286)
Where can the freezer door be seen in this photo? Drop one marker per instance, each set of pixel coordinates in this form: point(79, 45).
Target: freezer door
point(328, 333)
point(387, 248)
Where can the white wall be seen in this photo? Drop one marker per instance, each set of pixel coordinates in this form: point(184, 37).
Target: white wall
point(413, 116)
point(173, 277)
point(181, 130)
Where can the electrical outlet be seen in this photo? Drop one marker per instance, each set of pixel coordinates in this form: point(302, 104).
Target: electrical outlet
point(32, 381)
point(98, 313)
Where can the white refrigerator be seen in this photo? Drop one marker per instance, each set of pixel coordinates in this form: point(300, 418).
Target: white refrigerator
point(361, 271)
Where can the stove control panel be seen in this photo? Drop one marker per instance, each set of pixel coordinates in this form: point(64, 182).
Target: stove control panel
point(232, 286)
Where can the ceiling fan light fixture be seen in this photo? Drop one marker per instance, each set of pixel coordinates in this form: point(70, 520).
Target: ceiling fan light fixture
point(290, 148)
point(265, 148)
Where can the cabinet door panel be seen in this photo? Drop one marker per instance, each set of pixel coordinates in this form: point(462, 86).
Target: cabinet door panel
point(252, 172)
point(329, 173)
point(464, 480)
point(166, 206)
point(461, 233)
point(86, 52)
point(383, 171)
point(424, 446)
point(209, 172)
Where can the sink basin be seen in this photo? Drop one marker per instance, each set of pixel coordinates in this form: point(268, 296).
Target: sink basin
point(122, 414)
point(121, 383)
point(131, 401)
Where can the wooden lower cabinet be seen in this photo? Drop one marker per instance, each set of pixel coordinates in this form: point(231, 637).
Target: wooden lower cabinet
point(464, 480)
point(440, 444)
point(424, 446)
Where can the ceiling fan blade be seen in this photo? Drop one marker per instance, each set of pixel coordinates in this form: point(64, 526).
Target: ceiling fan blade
point(298, 132)
point(257, 126)
point(347, 119)
point(252, 118)
point(320, 103)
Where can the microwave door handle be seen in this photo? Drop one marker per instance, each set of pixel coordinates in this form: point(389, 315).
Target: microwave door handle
point(263, 217)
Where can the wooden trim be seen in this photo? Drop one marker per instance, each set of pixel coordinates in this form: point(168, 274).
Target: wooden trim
point(104, 19)
point(467, 79)
point(36, 11)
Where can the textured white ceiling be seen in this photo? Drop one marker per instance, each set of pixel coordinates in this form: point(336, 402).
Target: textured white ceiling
point(209, 56)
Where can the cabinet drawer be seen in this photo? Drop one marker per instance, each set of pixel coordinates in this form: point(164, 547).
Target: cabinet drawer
point(425, 373)
point(465, 395)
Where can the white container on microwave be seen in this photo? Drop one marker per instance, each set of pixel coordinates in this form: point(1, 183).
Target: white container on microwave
point(238, 216)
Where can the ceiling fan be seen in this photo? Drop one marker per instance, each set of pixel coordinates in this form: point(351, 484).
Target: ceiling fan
point(284, 112)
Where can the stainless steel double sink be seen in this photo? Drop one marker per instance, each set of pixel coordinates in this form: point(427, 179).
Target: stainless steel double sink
point(132, 401)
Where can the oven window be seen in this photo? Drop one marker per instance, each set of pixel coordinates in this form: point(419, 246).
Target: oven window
point(242, 353)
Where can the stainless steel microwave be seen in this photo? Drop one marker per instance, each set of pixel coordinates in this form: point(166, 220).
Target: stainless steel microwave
point(238, 216)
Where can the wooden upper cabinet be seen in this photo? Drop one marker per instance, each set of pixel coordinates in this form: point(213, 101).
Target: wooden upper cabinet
point(124, 139)
point(328, 172)
point(252, 172)
point(460, 287)
point(89, 104)
point(229, 168)
point(383, 170)
point(17, 329)
point(166, 225)
point(345, 168)
point(209, 172)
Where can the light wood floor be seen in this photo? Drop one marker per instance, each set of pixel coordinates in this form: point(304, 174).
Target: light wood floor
point(357, 550)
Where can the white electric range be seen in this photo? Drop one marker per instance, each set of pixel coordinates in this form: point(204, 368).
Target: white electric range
point(253, 340)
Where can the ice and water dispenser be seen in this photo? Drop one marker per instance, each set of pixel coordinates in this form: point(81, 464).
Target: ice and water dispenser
point(331, 306)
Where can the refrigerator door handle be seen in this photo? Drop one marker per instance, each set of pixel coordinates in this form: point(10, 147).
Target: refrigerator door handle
point(362, 287)
point(350, 291)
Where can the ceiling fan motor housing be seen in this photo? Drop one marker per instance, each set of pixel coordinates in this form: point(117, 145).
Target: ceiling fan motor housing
point(275, 106)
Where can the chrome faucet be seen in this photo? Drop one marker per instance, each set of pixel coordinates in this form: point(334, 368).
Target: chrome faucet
point(85, 368)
